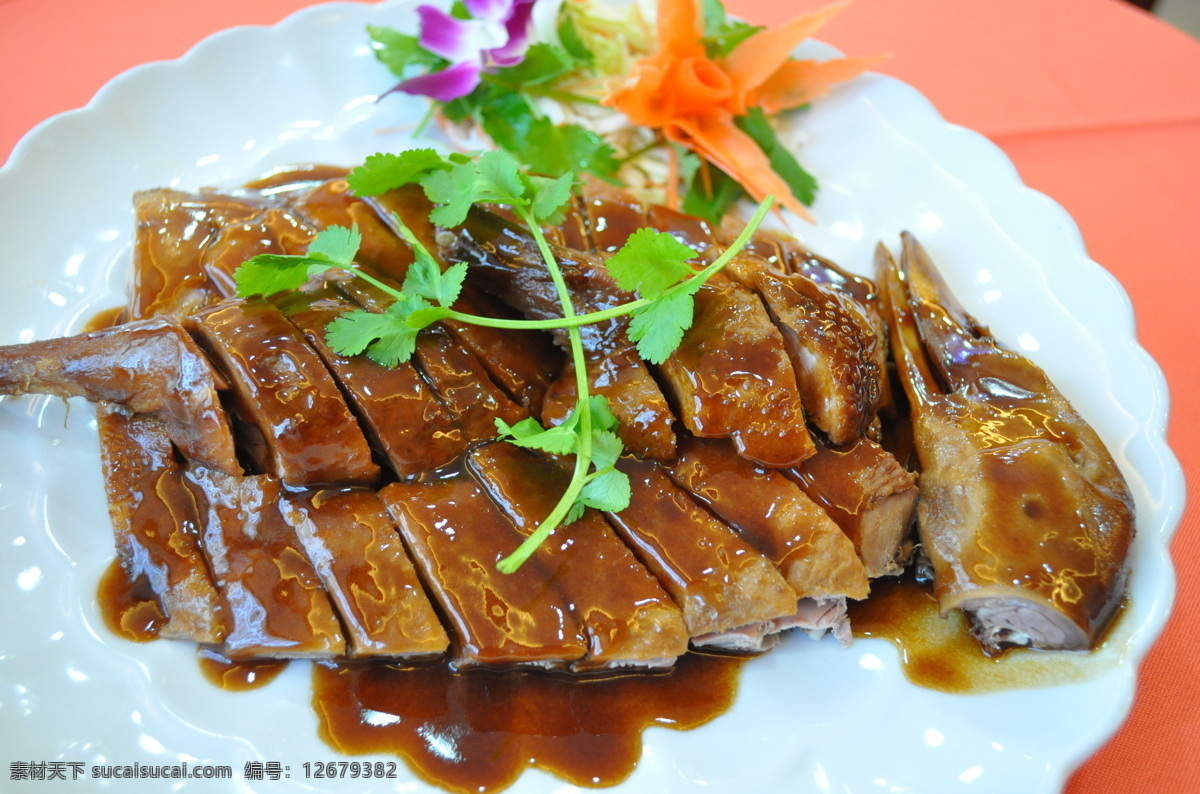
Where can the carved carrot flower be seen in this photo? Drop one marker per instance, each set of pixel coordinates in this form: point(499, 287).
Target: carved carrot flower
point(696, 99)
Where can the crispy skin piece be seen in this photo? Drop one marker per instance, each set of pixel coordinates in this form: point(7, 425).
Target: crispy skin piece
point(500, 255)
point(298, 425)
point(157, 526)
point(731, 376)
point(629, 620)
point(1025, 515)
point(147, 366)
point(721, 583)
point(277, 607)
point(403, 419)
point(173, 231)
point(456, 536)
point(352, 543)
point(869, 495)
point(773, 515)
point(463, 385)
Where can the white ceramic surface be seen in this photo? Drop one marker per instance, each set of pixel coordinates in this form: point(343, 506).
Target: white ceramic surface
point(810, 716)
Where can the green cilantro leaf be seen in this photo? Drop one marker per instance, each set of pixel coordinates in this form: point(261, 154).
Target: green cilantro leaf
point(608, 490)
point(380, 173)
point(399, 51)
point(606, 449)
point(722, 34)
point(574, 514)
point(386, 337)
point(553, 149)
point(493, 177)
point(602, 416)
point(803, 184)
point(712, 199)
point(267, 274)
point(336, 245)
point(550, 197)
point(658, 328)
point(650, 262)
point(543, 63)
point(558, 440)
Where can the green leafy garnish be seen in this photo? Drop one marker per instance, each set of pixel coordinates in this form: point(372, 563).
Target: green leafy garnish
point(783, 162)
point(722, 34)
point(653, 265)
point(401, 51)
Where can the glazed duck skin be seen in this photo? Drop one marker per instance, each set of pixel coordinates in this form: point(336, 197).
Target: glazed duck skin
point(455, 537)
point(1026, 518)
point(298, 425)
point(629, 620)
point(355, 550)
point(157, 525)
point(146, 366)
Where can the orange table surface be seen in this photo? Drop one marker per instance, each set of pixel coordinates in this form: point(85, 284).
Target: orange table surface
point(1096, 102)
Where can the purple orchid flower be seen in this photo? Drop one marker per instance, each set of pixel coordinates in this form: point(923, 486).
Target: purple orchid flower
point(497, 34)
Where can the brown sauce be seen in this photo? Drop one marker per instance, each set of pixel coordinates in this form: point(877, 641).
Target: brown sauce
point(238, 676)
point(105, 318)
point(479, 730)
point(939, 653)
point(129, 610)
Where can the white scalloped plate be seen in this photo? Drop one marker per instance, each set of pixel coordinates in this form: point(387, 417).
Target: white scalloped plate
point(809, 716)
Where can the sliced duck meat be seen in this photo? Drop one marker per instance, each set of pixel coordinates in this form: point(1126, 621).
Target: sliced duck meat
point(403, 418)
point(871, 497)
point(772, 514)
point(730, 594)
point(644, 420)
point(731, 377)
point(523, 363)
point(146, 366)
point(610, 216)
point(295, 423)
point(456, 536)
point(277, 607)
point(463, 385)
point(174, 229)
point(840, 362)
point(273, 230)
point(1024, 513)
point(353, 545)
point(628, 618)
point(157, 526)
point(410, 205)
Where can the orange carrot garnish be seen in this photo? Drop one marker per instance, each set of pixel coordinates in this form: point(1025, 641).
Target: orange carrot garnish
point(695, 100)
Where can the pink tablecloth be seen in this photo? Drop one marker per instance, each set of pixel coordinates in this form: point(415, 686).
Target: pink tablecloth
point(1097, 103)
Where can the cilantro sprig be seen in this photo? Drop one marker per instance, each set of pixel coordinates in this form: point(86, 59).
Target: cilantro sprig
point(652, 265)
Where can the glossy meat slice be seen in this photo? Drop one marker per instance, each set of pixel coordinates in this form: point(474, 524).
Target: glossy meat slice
point(174, 230)
point(403, 418)
point(462, 383)
point(277, 607)
point(295, 422)
point(629, 620)
point(505, 261)
point(732, 597)
point(1025, 515)
point(772, 514)
point(731, 377)
point(456, 536)
point(840, 362)
point(353, 545)
point(147, 366)
point(866, 491)
point(272, 230)
point(157, 526)
point(644, 420)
